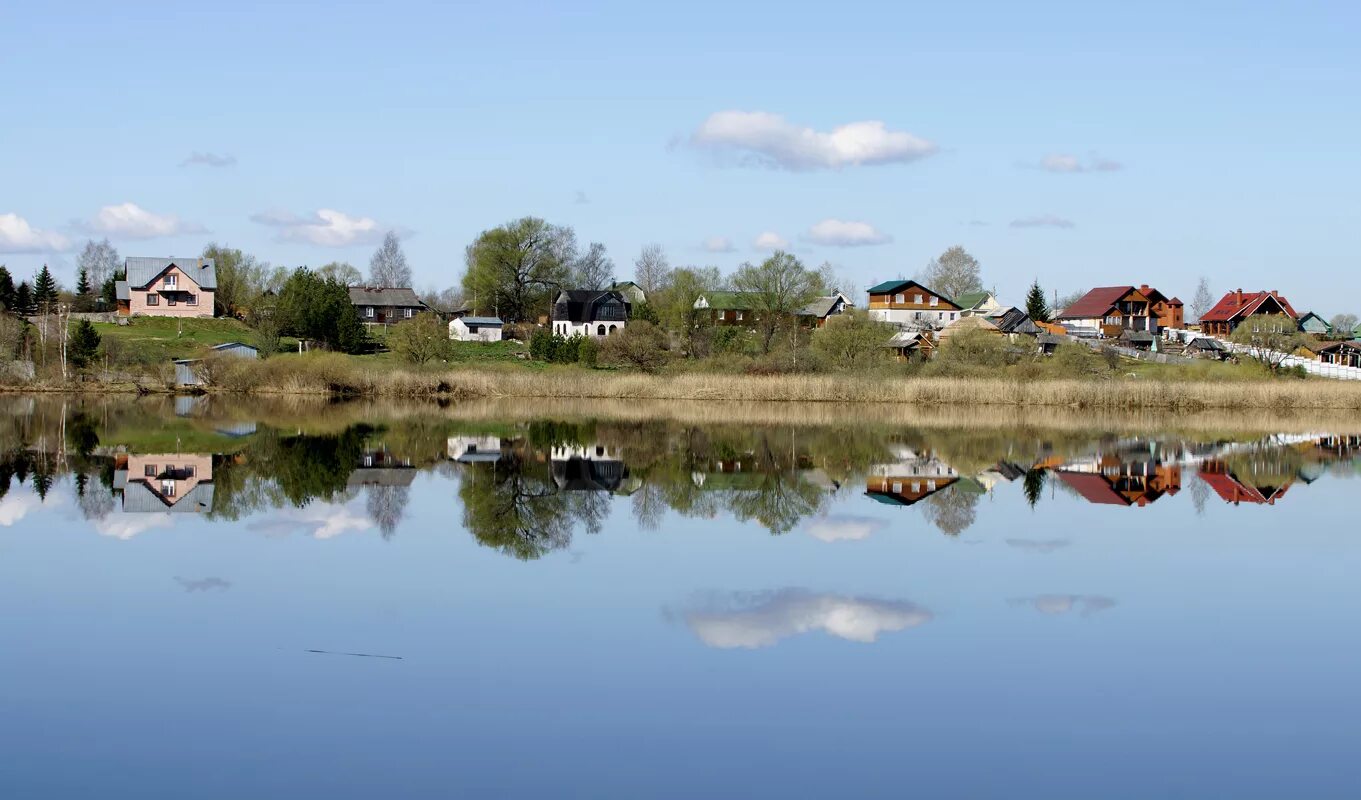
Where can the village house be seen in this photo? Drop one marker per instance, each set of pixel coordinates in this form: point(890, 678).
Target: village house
point(475, 329)
point(1121, 477)
point(905, 345)
point(910, 478)
point(1237, 306)
point(1346, 354)
point(1205, 347)
point(738, 308)
point(167, 287)
point(587, 312)
point(1013, 322)
point(1169, 311)
point(165, 482)
point(908, 304)
point(964, 324)
point(1233, 490)
point(631, 291)
point(1313, 323)
point(1108, 311)
point(385, 306)
point(980, 302)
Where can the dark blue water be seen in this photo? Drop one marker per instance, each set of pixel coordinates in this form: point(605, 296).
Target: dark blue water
point(717, 617)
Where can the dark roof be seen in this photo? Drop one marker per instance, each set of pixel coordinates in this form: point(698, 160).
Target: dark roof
point(822, 306)
point(892, 287)
point(1096, 302)
point(581, 305)
point(1014, 320)
point(1138, 336)
point(400, 297)
point(486, 322)
point(1205, 343)
point(142, 271)
point(1340, 346)
point(1237, 304)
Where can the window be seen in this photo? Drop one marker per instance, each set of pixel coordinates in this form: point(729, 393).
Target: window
point(935, 301)
point(406, 312)
point(739, 316)
point(600, 330)
point(170, 299)
point(170, 281)
point(153, 299)
point(897, 298)
point(168, 488)
point(613, 328)
point(190, 470)
point(149, 471)
point(916, 298)
point(191, 299)
point(368, 312)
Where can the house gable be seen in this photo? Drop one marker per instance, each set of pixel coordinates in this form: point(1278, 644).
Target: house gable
point(906, 294)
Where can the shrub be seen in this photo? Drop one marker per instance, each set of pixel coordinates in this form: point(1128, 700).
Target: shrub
point(420, 340)
point(588, 353)
point(639, 344)
point(852, 340)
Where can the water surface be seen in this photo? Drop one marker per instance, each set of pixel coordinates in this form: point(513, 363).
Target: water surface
point(214, 599)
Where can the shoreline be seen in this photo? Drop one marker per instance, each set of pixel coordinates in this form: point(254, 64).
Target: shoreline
point(934, 392)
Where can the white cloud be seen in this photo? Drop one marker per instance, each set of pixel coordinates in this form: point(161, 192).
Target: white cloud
point(843, 527)
point(209, 160)
point(771, 140)
point(1059, 604)
point(318, 520)
point(326, 228)
point(719, 244)
point(1070, 164)
point(17, 236)
point(1043, 221)
point(126, 526)
point(753, 621)
point(841, 233)
point(770, 240)
point(131, 221)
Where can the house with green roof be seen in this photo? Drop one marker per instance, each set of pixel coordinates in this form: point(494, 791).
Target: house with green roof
point(909, 304)
point(1313, 323)
point(980, 302)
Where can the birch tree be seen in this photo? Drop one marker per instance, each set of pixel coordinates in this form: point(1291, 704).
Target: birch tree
point(388, 267)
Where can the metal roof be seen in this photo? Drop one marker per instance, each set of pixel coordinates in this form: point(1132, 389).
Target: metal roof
point(120, 290)
point(490, 322)
point(139, 498)
point(141, 271)
point(378, 296)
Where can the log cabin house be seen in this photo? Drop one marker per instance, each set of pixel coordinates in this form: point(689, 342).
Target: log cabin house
point(1108, 311)
point(909, 304)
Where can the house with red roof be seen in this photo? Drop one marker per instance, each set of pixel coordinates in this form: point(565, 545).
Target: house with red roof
point(1108, 311)
point(1235, 491)
point(1170, 311)
point(1238, 305)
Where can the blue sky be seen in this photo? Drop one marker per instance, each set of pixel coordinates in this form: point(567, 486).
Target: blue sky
point(1085, 144)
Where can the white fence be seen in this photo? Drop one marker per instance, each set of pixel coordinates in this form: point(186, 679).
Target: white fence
point(1311, 366)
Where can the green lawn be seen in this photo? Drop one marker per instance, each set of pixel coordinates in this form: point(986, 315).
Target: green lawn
point(166, 338)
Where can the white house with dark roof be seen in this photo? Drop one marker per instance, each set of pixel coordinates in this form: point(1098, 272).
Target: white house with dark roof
point(475, 329)
point(167, 287)
point(586, 312)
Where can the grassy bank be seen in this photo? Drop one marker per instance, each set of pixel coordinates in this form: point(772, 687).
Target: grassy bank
point(340, 375)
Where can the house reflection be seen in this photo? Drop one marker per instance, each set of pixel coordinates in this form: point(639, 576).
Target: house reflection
point(161, 482)
point(590, 468)
point(1134, 474)
point(910, 478)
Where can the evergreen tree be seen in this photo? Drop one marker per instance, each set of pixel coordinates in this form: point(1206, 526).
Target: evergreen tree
point(42, 482)
point(1033, 486)
point(45, 291)
point(83, 345)
point(6, 289)
point(23, 300)
point(1035, 305)
point(85, 299)
point(108, 291)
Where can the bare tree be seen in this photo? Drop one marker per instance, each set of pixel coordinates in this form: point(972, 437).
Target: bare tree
point(651, 270)
point(99, 260)
point(1202, 301)
point(446, 300)
point(593, 269)
point(386, 505)
point(388, 266)
point(344, 273)
point(777, 289)
point(953, 273)
point(1269, 338)
point(1066, 300)
point(1345, 325)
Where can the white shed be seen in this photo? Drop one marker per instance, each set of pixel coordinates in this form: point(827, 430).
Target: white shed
point(475, 329)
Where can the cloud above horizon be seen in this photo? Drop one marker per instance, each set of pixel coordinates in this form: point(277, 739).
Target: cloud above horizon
point(1043, 221)
point(209, 160)
point(131, 221)
point(761, 138)
point(843, 233)
point(326, 227)
point(17, 236)
point(770, 240)
point(1059, 604)
point(719, 244)
point(752, 621)
point(843, 527)
point(1064, 164)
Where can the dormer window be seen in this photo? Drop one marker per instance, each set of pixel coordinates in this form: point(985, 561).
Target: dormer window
point(170, 281)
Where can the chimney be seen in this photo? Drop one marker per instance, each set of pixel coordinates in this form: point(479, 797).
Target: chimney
point(1143, 288)
point(1275, 294)
point(1238, 297)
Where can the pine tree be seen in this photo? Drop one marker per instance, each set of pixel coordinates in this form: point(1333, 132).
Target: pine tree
point(23, 300)
point(84, 300)
point(45, 291)
point(1035, 305)
point(83, 345)
point(6, 289)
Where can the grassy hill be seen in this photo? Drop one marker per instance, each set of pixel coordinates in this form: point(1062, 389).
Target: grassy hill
point(155, 339)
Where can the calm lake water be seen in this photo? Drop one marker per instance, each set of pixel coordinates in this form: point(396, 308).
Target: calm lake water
point(229, 600)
